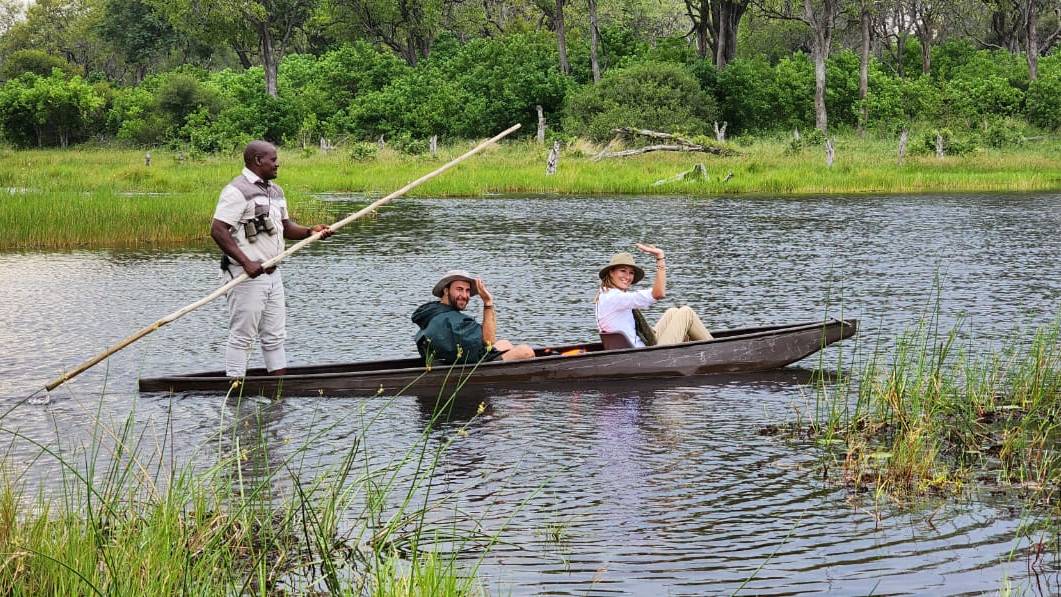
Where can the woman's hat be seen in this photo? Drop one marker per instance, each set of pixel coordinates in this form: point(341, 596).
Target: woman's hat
point(622, 259)
point(452, 276)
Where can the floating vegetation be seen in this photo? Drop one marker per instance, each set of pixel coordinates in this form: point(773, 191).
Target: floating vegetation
point(936, 416)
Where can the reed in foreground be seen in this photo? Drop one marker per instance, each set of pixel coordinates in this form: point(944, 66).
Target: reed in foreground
point(123, 522)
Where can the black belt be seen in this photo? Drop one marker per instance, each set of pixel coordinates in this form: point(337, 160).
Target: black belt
point(226, 263)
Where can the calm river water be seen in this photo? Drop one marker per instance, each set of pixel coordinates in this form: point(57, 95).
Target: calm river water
point(654, 489)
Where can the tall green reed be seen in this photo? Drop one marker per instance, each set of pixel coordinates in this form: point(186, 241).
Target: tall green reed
point(932, 412)
point(129, 520)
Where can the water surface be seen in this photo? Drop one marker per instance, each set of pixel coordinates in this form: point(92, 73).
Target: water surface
point(662, 488)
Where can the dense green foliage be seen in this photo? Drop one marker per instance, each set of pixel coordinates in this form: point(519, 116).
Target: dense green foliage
point(653, 95)
point(74, 72)
point(52, 110)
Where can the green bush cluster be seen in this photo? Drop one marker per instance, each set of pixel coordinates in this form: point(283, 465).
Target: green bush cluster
point(953, 144)
point(58, 109)
point(463, 90)
point(653, 95)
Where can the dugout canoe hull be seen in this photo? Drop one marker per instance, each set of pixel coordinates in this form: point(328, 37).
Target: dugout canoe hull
point(730, 351)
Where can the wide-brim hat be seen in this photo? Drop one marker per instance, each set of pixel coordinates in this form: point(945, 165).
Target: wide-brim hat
point(622, 259)
point(452, 276)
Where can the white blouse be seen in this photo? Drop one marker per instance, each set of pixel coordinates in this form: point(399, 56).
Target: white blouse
point(615, 311)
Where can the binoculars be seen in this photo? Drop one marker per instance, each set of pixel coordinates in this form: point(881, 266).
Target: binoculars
point(260, 224)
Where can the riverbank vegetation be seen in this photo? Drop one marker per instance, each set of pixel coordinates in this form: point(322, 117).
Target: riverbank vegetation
point(122, 518)
point(939, 416)
point(110, 198)
point(149, 73)
point(969, 88)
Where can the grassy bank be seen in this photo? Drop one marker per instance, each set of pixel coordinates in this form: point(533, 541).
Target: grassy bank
point(109, 197)
point(937, 418)
point(122, 520)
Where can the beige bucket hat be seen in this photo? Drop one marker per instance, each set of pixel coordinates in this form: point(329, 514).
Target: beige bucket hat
point(622, 259)
point(452, 276)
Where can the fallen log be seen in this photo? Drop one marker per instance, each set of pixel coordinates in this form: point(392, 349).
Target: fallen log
point(675, 143)
point(650, 148)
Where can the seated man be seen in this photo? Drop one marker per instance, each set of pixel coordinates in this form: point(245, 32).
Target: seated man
point(448, 336)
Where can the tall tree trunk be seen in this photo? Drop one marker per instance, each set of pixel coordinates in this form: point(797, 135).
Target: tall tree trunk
point(722, 10)
point(863, 62)
point(926, 56)
point(268, 58)
point(699, 12)
point(924, 18)
point(1032, 20)
point(734, 14)
point(244, 59)
point(821, 116)
point(593, 31)
point(561, 37)
point(821, 25)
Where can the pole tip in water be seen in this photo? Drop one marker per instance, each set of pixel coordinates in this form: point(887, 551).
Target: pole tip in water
point(41, 396)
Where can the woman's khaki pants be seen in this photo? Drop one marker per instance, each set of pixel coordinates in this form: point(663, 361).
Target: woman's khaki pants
point(680, 324)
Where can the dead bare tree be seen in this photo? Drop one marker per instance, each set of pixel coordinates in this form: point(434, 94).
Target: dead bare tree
point(665, 142)
point(594, 34)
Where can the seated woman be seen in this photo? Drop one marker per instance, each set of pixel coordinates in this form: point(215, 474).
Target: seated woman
point(618, 306)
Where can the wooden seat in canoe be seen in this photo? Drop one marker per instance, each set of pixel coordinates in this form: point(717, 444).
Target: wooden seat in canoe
point(614, 340)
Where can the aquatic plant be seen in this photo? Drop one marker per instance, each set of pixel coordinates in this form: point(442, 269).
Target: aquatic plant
point(128, 520)
point(936, 414)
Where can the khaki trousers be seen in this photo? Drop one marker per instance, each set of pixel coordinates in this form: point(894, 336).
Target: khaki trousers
point(256, 311)
point(679, 324)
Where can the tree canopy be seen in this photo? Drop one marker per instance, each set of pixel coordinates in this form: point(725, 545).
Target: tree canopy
point(211, 74)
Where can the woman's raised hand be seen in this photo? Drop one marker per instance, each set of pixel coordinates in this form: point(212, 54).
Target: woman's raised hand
point(650, 249)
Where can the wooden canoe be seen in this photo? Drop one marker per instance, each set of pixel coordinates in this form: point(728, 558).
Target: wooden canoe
point(730, 351)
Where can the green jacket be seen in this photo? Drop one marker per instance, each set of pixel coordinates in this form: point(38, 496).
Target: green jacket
point(444, 329)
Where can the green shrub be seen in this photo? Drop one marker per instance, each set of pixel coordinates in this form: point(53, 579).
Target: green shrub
point(656, 96)
point(133, 117)
point(37, 62)
point(409, 145)
point(893, 102)
point(949, 57)
point(1044, 102)
point(970, 99)
point(793, 92)
point(361, 151)
point(474, 90)
point(952, 144)
point(47, 111)
point(179, 95)
point(841, 92)
point(1003, 132)
point(745, 96)
point(246, 113)
point(619, 46)
point(811, 138)
point(320, 89)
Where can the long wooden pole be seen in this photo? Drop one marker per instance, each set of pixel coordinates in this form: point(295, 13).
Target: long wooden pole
point(68, 375)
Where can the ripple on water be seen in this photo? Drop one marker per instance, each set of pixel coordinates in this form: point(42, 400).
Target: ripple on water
point(635, 489)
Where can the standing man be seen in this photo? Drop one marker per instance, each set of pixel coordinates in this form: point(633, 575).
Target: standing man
point(250, 225)
point(448, 336)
